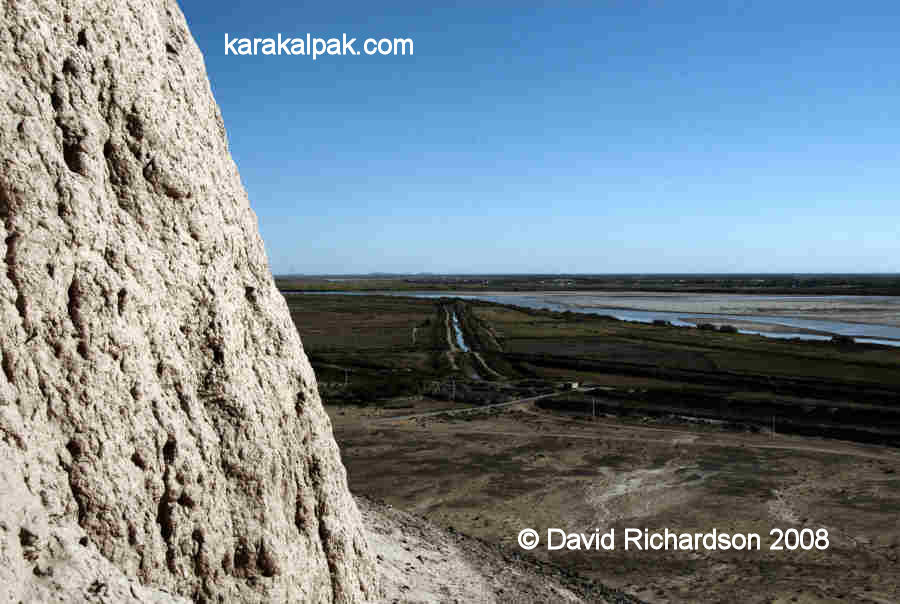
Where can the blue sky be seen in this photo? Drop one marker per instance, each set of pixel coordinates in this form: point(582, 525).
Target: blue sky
point(594, 137)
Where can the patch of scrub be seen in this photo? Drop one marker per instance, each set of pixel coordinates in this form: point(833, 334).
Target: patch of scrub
point(641, 493)
point(684, 439)
point(781, 507)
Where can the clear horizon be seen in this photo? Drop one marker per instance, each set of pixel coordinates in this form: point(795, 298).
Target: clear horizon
point(593, 139)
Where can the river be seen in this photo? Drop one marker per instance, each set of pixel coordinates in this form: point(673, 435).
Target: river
point(869, 332)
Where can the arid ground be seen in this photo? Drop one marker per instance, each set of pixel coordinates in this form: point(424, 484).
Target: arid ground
point(490, 475)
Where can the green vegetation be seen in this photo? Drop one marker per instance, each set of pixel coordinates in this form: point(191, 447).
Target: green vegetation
point(367, 348)
point(883, 285)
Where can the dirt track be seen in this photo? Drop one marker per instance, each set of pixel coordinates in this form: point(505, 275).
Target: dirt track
point(680, 436)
